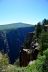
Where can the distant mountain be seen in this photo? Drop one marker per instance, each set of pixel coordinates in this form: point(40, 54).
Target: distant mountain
point(14, 26)
point(12, 37)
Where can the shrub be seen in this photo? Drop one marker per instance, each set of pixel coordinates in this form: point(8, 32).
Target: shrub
point(3, 62)
point(45, 65)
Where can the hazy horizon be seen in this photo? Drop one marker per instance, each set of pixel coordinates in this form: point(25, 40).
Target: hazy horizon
point(24, 11)
point(17, 23)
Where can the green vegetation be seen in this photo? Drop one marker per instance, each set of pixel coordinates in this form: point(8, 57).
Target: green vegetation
point(38, 65)
point(3, 62)
point(38, 30)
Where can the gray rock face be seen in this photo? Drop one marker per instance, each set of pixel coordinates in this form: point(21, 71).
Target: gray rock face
point(12, 37)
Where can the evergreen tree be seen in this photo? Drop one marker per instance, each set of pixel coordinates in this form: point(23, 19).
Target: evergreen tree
point(38, 29)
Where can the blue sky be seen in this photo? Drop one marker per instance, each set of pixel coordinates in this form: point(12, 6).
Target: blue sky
point(26, 11)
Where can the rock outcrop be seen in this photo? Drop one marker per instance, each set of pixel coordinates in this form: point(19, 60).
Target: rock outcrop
point(29, 54)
